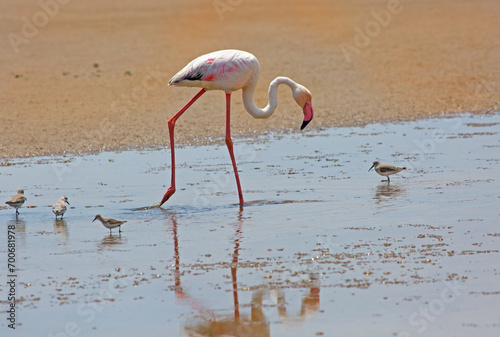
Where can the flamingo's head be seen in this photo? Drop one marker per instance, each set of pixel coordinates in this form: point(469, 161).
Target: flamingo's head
point(303, 97)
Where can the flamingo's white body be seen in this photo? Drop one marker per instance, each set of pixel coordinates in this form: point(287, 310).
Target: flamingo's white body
point(227, 70)
point(231, 70)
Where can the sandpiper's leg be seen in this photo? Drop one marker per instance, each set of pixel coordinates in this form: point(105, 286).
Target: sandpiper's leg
point(229, 144)
point(171, 126)
point(119, 229)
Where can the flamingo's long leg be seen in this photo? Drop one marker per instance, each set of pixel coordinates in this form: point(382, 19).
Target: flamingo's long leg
point(229, 144)
point(171, 126)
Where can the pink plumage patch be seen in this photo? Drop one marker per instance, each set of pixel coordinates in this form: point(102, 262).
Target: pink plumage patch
point(308, 111)
point(216, 70)
point(233, 68)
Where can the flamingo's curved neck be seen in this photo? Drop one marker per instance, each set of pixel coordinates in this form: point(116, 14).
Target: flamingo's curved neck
point(248, 93)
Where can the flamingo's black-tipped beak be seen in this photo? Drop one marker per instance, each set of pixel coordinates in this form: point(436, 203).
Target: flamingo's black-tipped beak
point(308, 114)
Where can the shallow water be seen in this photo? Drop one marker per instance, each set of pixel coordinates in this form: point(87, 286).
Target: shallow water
point(322, 248)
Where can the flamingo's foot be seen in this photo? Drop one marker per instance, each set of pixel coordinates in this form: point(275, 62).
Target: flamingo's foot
point(170, 192)
point(179, 293)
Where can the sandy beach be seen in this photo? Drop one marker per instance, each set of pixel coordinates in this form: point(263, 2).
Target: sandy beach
point(80, 77)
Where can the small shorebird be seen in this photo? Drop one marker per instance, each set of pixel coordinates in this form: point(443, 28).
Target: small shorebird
point(17, 201)
point(59, 208)
point(385, 169)
point(109, 223)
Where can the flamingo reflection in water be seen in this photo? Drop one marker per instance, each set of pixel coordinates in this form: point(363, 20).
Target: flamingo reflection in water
point(208, 323)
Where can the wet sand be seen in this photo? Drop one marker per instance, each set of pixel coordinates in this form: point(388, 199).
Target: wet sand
point(93, 75)
point(322, 248)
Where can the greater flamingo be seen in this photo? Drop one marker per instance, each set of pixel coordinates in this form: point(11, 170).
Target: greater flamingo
point(231, 70)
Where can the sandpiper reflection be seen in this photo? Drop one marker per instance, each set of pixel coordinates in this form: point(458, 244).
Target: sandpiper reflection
point(387, 191)
point(111, 241)
point(20, 229)
point(61, 229)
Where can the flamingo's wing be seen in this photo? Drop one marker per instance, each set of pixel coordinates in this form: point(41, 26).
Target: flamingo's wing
point(212, 67)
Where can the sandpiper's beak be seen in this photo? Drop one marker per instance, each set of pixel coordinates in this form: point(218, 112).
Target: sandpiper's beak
point(94, 219)
point(371, 167)
point(68, 202)
point(308, 113)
